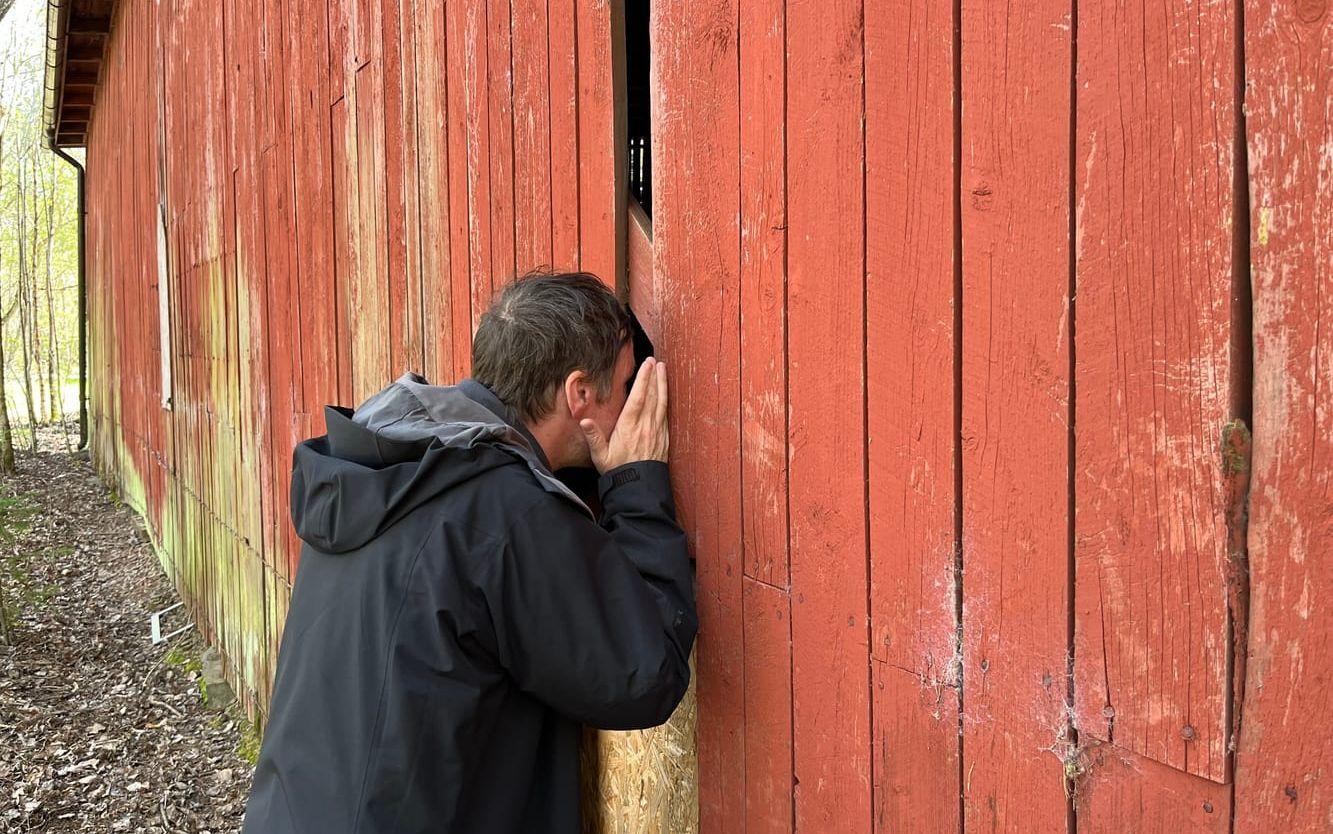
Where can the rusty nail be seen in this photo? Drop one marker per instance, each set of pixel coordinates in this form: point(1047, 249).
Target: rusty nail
point(1187, 732)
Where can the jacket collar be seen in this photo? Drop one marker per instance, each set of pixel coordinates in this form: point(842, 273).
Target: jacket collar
point(484, 396)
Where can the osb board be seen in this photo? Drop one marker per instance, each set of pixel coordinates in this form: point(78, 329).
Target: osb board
point(643, 780)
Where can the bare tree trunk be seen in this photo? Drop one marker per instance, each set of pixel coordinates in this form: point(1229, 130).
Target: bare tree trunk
point(57, 387)
point(7, 466)
point(24, 331)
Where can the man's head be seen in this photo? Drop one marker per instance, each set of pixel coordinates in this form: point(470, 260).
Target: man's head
point(556, 348)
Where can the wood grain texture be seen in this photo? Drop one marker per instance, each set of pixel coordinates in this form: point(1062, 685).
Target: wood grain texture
point(601, 138)
point(1154, 281)
point(826, 429)
point(500, 107)
point(459, 93)
point(768, 742)
point(763, 64)
point(696, 239)
point(561, 24)
point(476, 102)
point(532, 136)
point(1015, 216)
point(1284, 778)
point(910, 341)
point(1120, 790)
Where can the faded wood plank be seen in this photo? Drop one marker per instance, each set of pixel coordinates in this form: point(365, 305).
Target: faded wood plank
point(696, 239)
point(369, 315)
point(1015, 412)
point(826, 430)
point(763, 288)
point(1153, 186)
point(1118, 790)
point(476, 103)
point(500, 104)
point(768, 742)
point(532, 136)
point(1284, 778)
point(601, 137)
point(433, 188)
point(563, 106)
point(460, 205)
point(910, 346)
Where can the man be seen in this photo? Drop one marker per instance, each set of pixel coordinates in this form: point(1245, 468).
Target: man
point(458, 613)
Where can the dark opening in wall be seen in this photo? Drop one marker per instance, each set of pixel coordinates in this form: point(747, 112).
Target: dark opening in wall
point(639, 107)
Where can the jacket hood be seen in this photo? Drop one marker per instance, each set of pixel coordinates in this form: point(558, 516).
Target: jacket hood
point(402, 447)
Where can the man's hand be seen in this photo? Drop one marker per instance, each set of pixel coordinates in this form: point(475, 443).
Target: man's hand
point(641, 431)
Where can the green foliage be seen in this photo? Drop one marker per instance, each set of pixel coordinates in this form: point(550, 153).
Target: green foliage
point(252, 737)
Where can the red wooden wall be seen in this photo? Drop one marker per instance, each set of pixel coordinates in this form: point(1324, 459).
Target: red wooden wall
point(961, 304)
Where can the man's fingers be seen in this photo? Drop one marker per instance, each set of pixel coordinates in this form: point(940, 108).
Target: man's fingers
point(661, 379)
point(637, 394)
point(650, 391)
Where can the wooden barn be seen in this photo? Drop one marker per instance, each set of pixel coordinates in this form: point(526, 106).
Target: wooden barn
point(1002, 394)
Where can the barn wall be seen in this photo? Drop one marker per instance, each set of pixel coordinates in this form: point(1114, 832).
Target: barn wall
point(956, 307)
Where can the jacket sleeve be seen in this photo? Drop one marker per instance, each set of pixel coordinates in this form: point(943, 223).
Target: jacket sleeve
point(598, 622)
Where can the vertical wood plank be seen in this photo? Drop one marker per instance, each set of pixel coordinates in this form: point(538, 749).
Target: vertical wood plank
point(601, 137)
point(1120, 791)
point(500, 92)
point(476, 114)
point(1284, 778)
point(563, 108)
point(370, 315)
point(432, 187)
point(532, 136)
point(1015, 433)
point(910, 345)
point(767, 662)
point(458, 91)
point(1153, 185)
point(827, 465)
point(403, 259)
point(763, 288)
point(696, 237)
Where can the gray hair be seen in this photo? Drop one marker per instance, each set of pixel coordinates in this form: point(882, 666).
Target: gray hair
point(542, 328)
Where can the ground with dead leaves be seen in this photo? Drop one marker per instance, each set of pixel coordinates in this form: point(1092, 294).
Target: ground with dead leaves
point(100, 730)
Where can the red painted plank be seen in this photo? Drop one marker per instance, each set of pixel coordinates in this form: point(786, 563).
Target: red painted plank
point(910, 343)
point(1153, 186)
point(1118, 791)
point(1015, 410)
point(601, 137)
point(696, 238)
point(826, 435)
point(768, 776)
point(460, 189)
point(763, 288)
point(639, 257)
point(370, 313)
point(500, 104)
point(563, 107)
point(401, 221)
point(532, 136)
point(432, 188)
point(308, 39)
point(476, 115)
point(344, 238)
point(1284, 779)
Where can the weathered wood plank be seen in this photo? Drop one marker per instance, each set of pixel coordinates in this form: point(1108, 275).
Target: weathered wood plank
point(1153, 284)
point(910, 345)
point(768, 742)
point(1015, 412)
point(601, 137)
point(763, 288)
point(826, 434)
point(1117, 789)
point(460, 189)
point(403, 245)
point(500, 108)
point(1284, 777)
point(563, 69)
point(696, 238)
point(532, 136)
point(476, 104)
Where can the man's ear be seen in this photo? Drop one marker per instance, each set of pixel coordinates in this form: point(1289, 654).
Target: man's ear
point(579, 393)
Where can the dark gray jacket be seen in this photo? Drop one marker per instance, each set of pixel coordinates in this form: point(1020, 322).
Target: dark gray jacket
point(457, 615)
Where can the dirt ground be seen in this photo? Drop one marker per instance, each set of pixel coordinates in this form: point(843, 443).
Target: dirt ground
point(99, 729)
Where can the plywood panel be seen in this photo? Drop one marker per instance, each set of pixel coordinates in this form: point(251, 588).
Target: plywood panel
point(910, 348)
point(696, 238)
point(826, 381)
point(1015, 417)
point(1284, 778)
